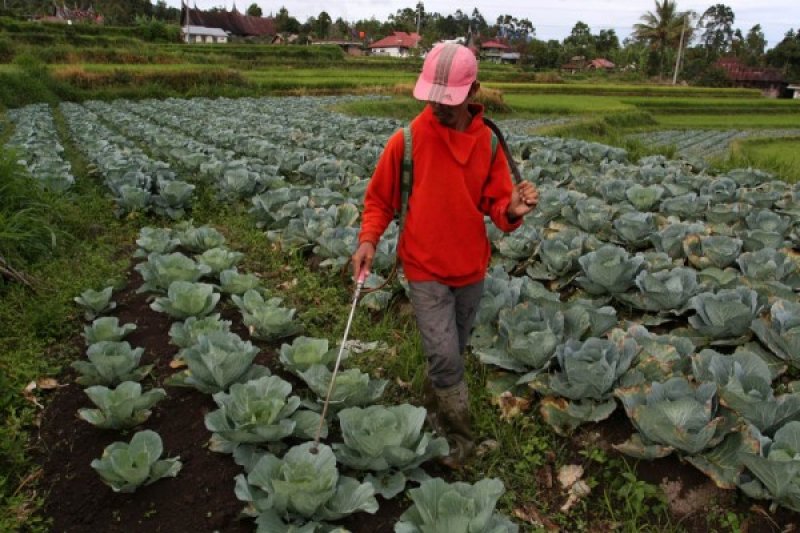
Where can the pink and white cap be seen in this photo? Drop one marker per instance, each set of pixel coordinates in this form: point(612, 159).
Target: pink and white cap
point(447, 75)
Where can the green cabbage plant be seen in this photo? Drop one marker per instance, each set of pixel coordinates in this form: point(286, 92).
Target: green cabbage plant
point(232, 282)
point(669, 416)
point(96, 302)
point(186, 299)
point(769, 264)
point(219, 259)
point(587, 374)
point(200, 239)
point(266, 319)
point(387, 441)
point(218, 360)
point(155, 240)
point(353, 387)
point(305, 352)
point(591, 214)
point(120, 408)
point(661, 356)
point(634, 228)
point(687, 206)
point(780, 330)
point(186, 333)
point(527, 339)
point(257, 412)
point(520, 244)
point(106, 329)
point(301, 490)
point(160, 271)
point(663, 291)
point(173, 198)
point(609, 270)
point(644, 197)
point(558, 255)
point(441, 507)
point(774, 472)
point(725, 316)
point(111, 363)
point(717, 251)
point(670, 238)
point(127, 466)
point(745, 386)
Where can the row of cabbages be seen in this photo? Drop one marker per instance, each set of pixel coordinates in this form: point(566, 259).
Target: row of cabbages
point(136, 182)
point(706, 144)
point(286, 488)
point(703, 260)
point(35, 140)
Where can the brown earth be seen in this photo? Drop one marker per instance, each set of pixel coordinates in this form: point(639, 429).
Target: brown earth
point(201, 498)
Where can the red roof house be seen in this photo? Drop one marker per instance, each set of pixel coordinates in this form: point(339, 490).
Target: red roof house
point(601, 64)
point(769, 80)
point(397, 45)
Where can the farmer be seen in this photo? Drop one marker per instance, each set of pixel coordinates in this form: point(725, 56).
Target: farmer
point(458, 177)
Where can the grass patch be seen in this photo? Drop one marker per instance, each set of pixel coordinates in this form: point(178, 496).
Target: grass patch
point(715, 105)
point(620, 89)
point(780, 156)
point(564, 104)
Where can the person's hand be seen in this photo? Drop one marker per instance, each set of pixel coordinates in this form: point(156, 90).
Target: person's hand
point(524, 197)
point(362, 259)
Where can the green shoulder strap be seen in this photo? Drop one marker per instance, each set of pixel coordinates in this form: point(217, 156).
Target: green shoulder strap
point(407, 172)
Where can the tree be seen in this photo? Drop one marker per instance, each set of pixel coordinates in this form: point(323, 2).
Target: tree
point(717, 26)
point(254, 10)
point(284, 23)
point(323, 25)
point(606, 43)
point(580, 41)
point(661, 30)
point(786, 55)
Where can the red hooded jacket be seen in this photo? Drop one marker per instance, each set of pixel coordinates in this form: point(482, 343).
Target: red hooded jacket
point(456, 183)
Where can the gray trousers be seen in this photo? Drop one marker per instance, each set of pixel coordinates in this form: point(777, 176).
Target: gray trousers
point(444, 318)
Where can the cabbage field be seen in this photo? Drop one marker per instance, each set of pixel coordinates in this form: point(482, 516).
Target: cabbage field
point(707, 143)
point(657, 289)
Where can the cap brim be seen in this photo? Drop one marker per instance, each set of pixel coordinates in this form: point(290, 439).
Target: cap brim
point(441, 94)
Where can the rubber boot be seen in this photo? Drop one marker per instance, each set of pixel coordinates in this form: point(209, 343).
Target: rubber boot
point(431, 403)
point(453, 412)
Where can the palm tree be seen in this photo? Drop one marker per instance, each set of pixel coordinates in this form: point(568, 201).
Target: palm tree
point(661, 30)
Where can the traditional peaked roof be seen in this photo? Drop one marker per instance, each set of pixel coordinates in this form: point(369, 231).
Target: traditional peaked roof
point(738, 72)
point(601, 63)
point(400, 39)
point(496, 45)
point(232, 22)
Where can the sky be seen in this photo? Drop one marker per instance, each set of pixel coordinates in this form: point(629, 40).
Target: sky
point(553, 19)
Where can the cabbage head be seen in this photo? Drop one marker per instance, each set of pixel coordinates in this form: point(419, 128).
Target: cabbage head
point(106, 329)
point(219, 259)
point(186, 299)
point(218, 360)
point(122, 407)
point(159, 271)
point(111, 363)
point(439, 507)
point(527, 338)
point(609, 270)
point(155, 240)
point(711, 251)
point(257, 412)
point(387, 441)
point(559, 255)
point(644, 197)
point(266, 319)
point(96, 302)
point(303, 486)
point(186, 333)
point(769, 264)
point(670, 238)
point(665, 290)
point(200, 239)
point(127, 466)
point(774, 472)
point(635, 228)
point(780, 330)
point(352, 388)
point(674, 415)
point(725, 315)
point(592, 215)
point(232, 282)
point(305, 352)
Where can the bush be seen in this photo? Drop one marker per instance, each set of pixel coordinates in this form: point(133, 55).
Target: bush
point(6, 50)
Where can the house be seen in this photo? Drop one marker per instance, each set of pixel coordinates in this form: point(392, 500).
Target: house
point(767, 79)
point(575, 64)
point(232, 23)
point(399, 44)
point(601, 64)
point(796, 90)
point(494, 51)
point(65, 15)
point(201, 34)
